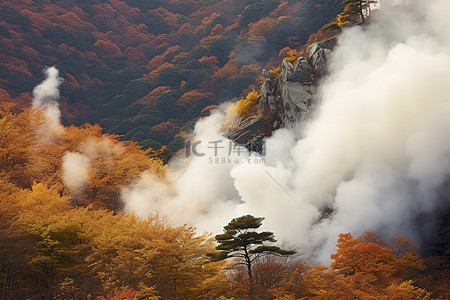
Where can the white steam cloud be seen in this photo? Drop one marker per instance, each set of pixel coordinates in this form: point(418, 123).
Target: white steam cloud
point(78, 166)
point(75, 172)
point(377, 153)
point(45, 98)
point(46, 95)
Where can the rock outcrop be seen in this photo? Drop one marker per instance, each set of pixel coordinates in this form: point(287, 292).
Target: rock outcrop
point(289, 100)
point(248, 130)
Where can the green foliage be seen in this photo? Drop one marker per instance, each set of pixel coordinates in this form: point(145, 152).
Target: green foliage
point(58, 35)
point(221, 48)
point(332, 25)
point(240, 241)
point(256, 11)
point(207, 2)
point(176, 144)
point(164, 154)
point(59, 245)
point(169, 77)
point(145, 5)
point(137, 89)
point(155, 23)
point(102, 88)
point(4, 31)
point(354, 11)
point(245, 246)
point(309, 18)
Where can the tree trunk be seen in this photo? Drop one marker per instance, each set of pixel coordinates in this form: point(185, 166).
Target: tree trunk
point(250, 276)
point(361, 5)
point(251, 295)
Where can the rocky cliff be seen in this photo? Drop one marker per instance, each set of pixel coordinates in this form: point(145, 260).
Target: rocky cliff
point(288, 100)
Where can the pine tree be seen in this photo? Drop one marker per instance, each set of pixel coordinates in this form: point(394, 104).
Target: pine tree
point(355, 11)
point(241, 241)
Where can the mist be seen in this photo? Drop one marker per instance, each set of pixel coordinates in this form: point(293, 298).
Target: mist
point(376, 154)
point(75, 166)
point(45, 99)
point(75, 172)
point(46, 95)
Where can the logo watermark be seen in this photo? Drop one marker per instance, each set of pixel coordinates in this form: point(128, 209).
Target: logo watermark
point(236, 161)
point(226, 152)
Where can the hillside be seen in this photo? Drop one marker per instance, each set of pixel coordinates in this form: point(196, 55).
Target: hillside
point(349, 173)
point(63, 236)
point(144, 69)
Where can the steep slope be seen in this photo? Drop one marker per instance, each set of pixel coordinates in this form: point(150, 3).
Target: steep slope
point(144, 68)
point(288, 100)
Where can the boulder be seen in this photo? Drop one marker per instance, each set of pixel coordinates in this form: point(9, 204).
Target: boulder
point(319, 54)
point(267, 102)
point(287, 71)
point(302, 71)
point(296, 98)
point(320, 60)
point(325, 44)
point(289, 99)
point(295, 87)
point(250, 129)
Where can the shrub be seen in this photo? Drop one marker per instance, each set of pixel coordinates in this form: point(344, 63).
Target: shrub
point(293, 56)
point(248, 105)
point(332, 25)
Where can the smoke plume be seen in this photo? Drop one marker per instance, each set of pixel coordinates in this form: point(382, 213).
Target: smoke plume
point(46, 95)
point(376, 155)
point(75, 168)
point(78, 165)
point(45, 98)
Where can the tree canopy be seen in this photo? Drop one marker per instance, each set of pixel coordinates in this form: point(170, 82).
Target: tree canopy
point(355, 11)
point(241, 241)
point(114, 55)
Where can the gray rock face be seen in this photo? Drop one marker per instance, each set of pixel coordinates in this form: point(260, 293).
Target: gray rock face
point(267, 103)
point(250, 129)
point(289, 100)
point(296, 85)
point(320, 60)
point(287, 71)
point(320, 55)
point(302, 71)
point(296, 98)
point(325, 44)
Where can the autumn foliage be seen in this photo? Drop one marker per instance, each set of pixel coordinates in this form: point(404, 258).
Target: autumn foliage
point(366, 270)
point(144, 69)
point(292, 56)
point(151, 97)
point(248, 105)
point(106, 50)
point(75, 244)
point(57, 242)
point(193, 96)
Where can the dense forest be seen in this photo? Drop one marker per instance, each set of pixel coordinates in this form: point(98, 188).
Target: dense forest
point(57, 242)
point(147, 69)
point(143, 72)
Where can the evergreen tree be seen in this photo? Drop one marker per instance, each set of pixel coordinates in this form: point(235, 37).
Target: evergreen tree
point(241, 241)
point(355, 11)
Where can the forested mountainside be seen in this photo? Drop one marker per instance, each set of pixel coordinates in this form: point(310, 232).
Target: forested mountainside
point(62, 238)
point(144, 69)
point(148, 70)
